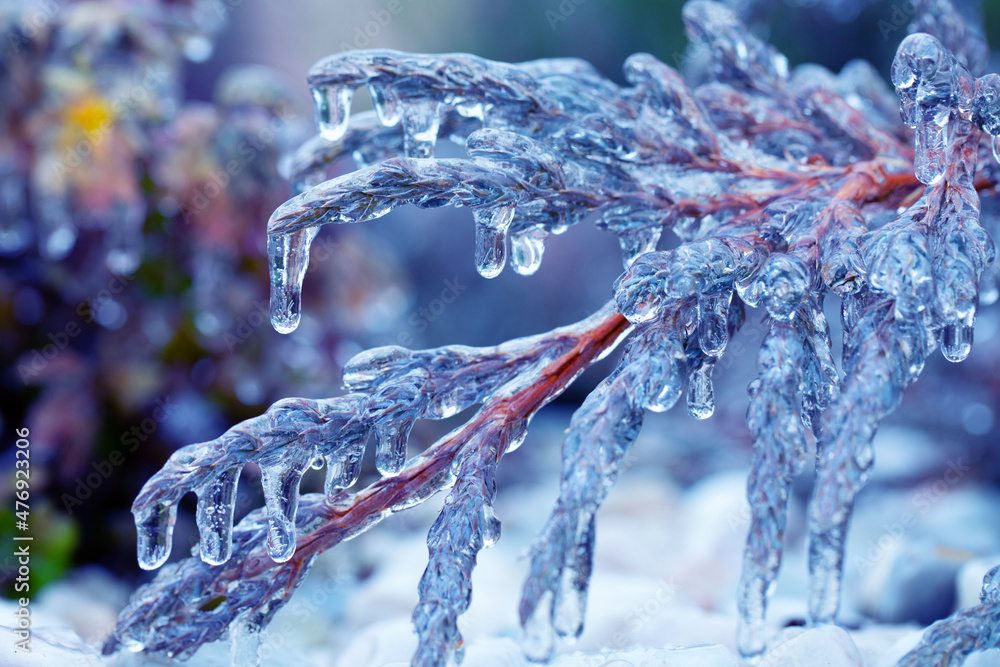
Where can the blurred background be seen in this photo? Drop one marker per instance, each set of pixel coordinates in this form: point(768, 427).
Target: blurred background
point(141, 154)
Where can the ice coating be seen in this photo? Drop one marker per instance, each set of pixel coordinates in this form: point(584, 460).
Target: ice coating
point(775, 422)
point(466, 524)
point(288, 259)
point(333, 110)
point(287, 440)
point(553, 599)
point(779, 188)
point(491, 239)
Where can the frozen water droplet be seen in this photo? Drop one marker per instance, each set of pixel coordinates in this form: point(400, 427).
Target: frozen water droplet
point(539, 639)
point(288, 259)
point(281, 497)
point(420, 128)
point(784, 284)
point(386, 103)
point(214, 516)
point(155, 528)
point(636, 242)
point(333, 110)
point(526, 249)
point(713, 323)
point(701, 396)
point(317, 463)
point(995, 143)
point(930, 159)
point(956, 341)
point(390, 447)
point(491, 238)
point(491, 526)
point(343, 470)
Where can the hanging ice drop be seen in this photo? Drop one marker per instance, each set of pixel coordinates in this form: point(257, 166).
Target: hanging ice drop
point(636, 242)
point(390, 447)
point(155, 529)
point(956, 341)
point(281, 497)
point(420, 128)
point(701, 396)
point(288, 259)
point(386, 104)
point(491, 238)
point(214, 516)
point(526, 249)
point(333, 110)
point(713, 323)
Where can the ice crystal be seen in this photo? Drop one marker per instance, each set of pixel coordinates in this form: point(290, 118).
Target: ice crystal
point(785, 188)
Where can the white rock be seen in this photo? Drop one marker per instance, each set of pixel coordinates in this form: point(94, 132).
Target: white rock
point(825, 646)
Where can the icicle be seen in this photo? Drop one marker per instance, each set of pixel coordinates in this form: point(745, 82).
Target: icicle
point(288, 257)
point(155, 530)
point(784, 283)
point(932, 134)
point(333, 110)
point(570, 601)
point(526, 249)
point(665, 372)
point(214, 516)
point(701, 396)
point(281, 497)
point(956, 341)
point(926, 76)
point(386, 103)
point(343, 470)
point(491, 524)
point(246, 637)
point(420, 128)
point(636, 242)
point(539, 637)
point(491, 238)
point(713, 323)
point(390, 446)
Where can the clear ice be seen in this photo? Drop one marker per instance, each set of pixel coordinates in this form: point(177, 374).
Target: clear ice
point(782, 186)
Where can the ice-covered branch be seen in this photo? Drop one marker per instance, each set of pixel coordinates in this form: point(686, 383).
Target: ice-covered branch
point(193, 602)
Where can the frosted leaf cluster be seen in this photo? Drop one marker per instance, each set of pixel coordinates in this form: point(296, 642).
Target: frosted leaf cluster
point(784, 186)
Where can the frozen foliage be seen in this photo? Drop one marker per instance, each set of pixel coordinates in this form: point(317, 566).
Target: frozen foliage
point(784, 187)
